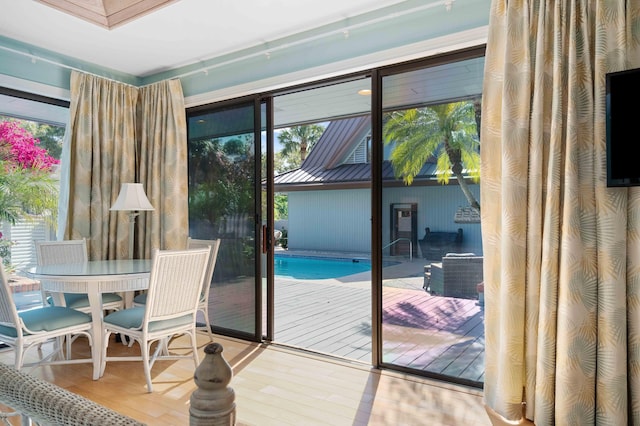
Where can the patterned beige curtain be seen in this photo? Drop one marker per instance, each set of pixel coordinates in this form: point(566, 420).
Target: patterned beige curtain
point(119, 134)
point(562, 251)
point(101, 156)
point(163, 166)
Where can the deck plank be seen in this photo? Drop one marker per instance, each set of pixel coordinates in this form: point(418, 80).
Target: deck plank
point(429, 333)
point(436, 334)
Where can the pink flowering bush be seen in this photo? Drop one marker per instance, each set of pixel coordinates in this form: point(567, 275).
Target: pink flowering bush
point(21, 148)
point(27, 187)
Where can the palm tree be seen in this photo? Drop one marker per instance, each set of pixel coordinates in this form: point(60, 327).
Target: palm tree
point(446, 132)
point(300, 139)
point(25, 193)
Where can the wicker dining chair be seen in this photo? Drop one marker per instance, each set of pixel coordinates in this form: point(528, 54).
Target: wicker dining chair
point(72, 251)
point(203, 304)
point(170, 310)
point(21, 330)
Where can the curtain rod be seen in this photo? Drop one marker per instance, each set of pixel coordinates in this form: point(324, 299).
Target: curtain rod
point(345, 30)
point(35, 58)
point(264, 52)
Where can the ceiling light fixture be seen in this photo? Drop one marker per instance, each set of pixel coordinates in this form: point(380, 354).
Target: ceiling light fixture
point(107, 13)
point(364, 92)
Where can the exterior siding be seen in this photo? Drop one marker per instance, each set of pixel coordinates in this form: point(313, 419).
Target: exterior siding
point(330, 220)
point(339, 220)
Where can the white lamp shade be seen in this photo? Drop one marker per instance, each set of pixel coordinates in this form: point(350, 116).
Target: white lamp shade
point(131, 198)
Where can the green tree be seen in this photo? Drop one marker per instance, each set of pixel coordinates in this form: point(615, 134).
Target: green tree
point(51, 138)
point(446, 132)
point(221, 177)
point(280, 164)
point(25, 193)
point(298, 141)
point(280, 206)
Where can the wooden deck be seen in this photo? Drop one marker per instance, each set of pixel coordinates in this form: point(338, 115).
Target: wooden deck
point(439, 335)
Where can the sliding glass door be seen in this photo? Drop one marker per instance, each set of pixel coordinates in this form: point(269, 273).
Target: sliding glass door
point(430, 312)
point(223, 203)
point(322, 218)
point(349, 216)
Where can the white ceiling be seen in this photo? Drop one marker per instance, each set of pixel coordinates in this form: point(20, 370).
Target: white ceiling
point(181, 33)
point(189, 31)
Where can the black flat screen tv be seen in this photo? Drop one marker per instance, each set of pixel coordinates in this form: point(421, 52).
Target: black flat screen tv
point(623, 131)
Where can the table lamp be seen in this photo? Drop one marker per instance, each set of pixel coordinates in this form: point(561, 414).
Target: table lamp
point(132, 199)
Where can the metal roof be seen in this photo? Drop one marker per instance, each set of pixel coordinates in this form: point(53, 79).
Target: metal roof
point(323, 168)
point(337, 141)
point(347, 176)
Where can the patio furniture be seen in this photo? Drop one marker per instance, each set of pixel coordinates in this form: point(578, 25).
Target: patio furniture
point(26, 329)
point(203, 304)
point(170, 310)
point(436, 244)
point(458, 275)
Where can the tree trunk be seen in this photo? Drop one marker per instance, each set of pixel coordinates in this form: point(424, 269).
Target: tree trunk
point(464, 186)
point(303, 151)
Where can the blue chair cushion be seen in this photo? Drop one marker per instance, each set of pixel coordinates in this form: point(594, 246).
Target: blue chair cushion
point(140, 299)
point(48, 319)
point(79, 300)
point(132, 318)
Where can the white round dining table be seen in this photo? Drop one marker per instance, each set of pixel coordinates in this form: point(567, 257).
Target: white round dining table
point(94, 278)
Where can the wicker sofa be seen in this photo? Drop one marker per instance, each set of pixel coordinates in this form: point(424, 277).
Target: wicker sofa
point(32, 399)
point(458, 275)
point(436, 244)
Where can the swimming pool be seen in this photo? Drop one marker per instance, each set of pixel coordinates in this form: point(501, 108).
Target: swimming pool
point(309, 268)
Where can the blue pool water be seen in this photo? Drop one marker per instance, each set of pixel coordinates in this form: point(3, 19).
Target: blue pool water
point(309, 268)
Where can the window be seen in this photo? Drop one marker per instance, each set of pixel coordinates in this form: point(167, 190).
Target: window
point(31, 133)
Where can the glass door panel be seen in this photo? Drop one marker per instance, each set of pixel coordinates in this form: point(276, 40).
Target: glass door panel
point(222, 204)
point(322, 212)
point(432, 320)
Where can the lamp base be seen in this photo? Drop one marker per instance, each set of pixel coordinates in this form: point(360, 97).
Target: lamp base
point(132, 221)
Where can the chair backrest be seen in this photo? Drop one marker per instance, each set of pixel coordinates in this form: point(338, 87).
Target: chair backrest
point(215, 246)
point(8, 311)
point(61, 252)
point(175, 283)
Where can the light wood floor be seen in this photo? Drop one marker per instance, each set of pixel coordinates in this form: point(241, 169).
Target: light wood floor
point(273, 386)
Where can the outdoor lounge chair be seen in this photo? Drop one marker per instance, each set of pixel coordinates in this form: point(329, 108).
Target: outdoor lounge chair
point(436, 244)
point(458, 275)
